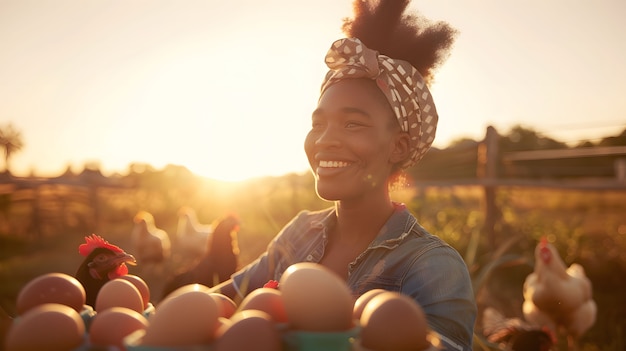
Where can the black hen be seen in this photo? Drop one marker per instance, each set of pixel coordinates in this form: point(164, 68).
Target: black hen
point(103, 262)
point(219, 262)
point(515, 334)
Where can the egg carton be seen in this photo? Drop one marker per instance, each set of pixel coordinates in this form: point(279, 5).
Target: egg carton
point(317, 341)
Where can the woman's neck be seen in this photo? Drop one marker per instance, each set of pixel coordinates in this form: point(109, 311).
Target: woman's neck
point(361, 223)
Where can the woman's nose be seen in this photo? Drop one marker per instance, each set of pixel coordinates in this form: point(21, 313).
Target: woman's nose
point(329, 136)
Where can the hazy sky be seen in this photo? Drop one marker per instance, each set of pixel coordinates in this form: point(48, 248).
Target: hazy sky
point(226, 88)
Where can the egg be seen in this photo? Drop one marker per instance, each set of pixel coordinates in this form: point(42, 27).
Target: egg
point(48, 326)
point(362, 301)
point(392, 321)
point(316, 299)
point(186, 288)
point(119, 293)
point(141, 285)
point(226, 305)
point(222, 322)
point(267, 300)
point(249, 330)
point(51, 288)
point(186, 319)
point(111, 326)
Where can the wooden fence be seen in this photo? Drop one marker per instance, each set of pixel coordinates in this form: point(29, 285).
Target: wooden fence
point(555, 169)
point(41, 206)
point(71, 201)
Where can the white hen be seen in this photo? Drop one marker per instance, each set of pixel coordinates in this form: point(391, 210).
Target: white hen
point(557, 296)
point(151, 244)
point(191, 235)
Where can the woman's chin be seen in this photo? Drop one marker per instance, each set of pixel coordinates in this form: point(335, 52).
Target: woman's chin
point(328, 193)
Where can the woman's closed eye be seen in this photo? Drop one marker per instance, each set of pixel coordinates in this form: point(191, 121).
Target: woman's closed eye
point(355, 124)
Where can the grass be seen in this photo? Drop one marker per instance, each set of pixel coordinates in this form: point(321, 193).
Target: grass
point(587, 227)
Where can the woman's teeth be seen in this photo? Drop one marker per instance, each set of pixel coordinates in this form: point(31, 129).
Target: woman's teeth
point(333, 164)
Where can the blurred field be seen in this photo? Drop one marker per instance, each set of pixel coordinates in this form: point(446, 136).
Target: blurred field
point(588, 227)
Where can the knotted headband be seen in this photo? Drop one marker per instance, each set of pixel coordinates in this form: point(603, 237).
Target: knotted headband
point(401, 83)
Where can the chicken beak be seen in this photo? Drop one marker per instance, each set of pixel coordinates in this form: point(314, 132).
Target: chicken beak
point(124, 257)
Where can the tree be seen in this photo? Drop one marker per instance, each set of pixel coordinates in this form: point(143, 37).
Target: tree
point(11, 142)
point(619, 140)
point(521, 138)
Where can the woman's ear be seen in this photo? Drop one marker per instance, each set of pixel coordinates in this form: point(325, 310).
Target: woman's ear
point(401, 149)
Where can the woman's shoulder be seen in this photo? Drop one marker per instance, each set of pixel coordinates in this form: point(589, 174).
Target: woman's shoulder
point(426, 241)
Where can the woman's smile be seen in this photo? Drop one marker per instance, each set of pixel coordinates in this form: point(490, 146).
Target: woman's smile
point(330, 168)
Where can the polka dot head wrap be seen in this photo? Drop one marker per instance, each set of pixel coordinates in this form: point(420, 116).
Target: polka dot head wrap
point(400, 82)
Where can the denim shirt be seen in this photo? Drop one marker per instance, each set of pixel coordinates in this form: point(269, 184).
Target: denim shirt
point(403, 257)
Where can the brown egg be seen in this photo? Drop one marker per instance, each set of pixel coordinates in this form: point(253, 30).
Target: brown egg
point(186, 288)
point(222, 323)
point(119, 293)
point(49, 326)
point(362, 300)
point(392, 321)
point(141, 285)
point(267, 300)
point(187, 319)
point(249, 330)
point(51, 288)
point(226, 305)
point(111, 326)
point(316, 299)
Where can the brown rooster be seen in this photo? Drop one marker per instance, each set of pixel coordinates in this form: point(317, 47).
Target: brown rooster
point(558, 297)
point(219, 262)
point(103, 262)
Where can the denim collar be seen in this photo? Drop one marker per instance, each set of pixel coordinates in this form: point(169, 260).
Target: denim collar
point(397, 227)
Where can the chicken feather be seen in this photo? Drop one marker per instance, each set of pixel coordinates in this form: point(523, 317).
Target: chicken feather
point(558, 296)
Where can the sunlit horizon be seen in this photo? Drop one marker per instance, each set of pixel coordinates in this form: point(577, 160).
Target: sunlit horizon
point(226, 90)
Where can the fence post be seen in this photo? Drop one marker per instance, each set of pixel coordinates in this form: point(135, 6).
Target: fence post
point(37, 222)
point(620, 169)
point(488, 171)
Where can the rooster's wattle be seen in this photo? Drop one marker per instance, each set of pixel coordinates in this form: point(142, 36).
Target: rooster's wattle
point(103, 262)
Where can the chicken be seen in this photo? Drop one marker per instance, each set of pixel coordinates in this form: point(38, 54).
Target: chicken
point(219, 262)
point(515, 334)
point(103, 262)
point(150, 244)
point(558, 297)
point(191, 235)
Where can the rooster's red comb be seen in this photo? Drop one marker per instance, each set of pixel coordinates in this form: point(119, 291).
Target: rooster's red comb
point(95, 241)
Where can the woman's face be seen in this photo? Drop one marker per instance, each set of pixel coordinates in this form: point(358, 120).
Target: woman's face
point(354, 141)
